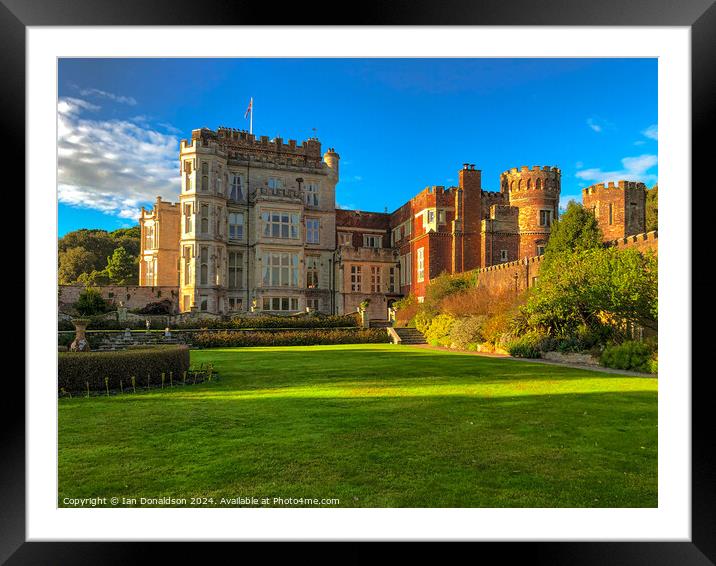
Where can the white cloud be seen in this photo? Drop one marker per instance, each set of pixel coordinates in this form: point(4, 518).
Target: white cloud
point(346, 206)
point(633, 169)
point(652, 132)
point(104, 94)
point(593, 124)
point(113, 166)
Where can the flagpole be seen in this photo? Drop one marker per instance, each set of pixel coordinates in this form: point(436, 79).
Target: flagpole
point(251, 118)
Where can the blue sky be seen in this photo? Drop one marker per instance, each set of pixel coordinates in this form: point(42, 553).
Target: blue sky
point(398, 124)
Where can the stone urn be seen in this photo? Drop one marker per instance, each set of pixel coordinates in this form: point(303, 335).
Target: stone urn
point(80, 343)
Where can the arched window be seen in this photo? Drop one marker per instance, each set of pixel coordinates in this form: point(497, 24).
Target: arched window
point(519, 185)
point(538, 184)
point(512, 186)
point(529, 184)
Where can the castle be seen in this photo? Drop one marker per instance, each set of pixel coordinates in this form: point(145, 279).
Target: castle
point(257, 229)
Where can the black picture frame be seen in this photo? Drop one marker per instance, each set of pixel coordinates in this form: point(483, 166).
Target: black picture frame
point(699, 15)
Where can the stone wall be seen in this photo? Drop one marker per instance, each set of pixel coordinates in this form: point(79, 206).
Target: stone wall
point(132, 296)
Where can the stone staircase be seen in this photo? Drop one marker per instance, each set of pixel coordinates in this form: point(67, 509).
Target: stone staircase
point(410, 336)
point(122, 341)
point(378, 323)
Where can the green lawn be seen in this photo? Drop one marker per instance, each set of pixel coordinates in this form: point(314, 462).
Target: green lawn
point(373, 426)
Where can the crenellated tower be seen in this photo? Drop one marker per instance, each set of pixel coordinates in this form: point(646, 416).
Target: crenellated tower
point(535, 193)
point(620, 208)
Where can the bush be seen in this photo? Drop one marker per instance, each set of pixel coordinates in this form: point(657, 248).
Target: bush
point(423, 319)
point(228, 339)
point(466, 331)
point(405, 311)
point(630, 355)
point(76, 369)
point(530, 345)
point(91, 302)
point(438, 333)
point(165, 306)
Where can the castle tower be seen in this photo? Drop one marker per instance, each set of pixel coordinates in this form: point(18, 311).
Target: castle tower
point(535, 192)
point(620, 208)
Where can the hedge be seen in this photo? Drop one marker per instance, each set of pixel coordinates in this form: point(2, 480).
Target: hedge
point(76, 369)
point(631, 355)
point(239, 322)
point(223, 339)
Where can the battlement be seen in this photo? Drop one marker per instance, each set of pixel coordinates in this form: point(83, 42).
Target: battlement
point(645, 239)
point(234, 141)
point(536, 178)
point(510, 264)
point(623, 185)
point(535, 168)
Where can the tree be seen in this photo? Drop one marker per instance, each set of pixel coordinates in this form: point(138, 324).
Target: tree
point(595, 288)
point(652, 208)
point(91, 302)
point(576, 230)
point(73, 262)
point(121, 268)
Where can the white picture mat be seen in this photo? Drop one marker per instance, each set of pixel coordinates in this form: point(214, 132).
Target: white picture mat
point(670, 521)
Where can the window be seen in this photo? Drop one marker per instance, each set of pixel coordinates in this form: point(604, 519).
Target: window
point(280, 304)
point(219, 188)
point(219, 220)
point(149, 274)
point(545, 217)
point(503, 255)
point(187, 302)
point(421, 264)
point(187, 175)
point(312, 263)
point(236, 270)
point(441, 217)
point(187, 218)
point(611, 214)
point(406, 275)
point(148, 237)
point(431, 216)
point(312, 230)
point(374, 279)
point(203, 302)
point(345, 239)
point(187, 265)
point(204, 218)
point(391, 280)
point(236, 226)
point(355, 278)
point(540, 250)
point(313, 304)
point(205, 177)
point(280, 270)
point(237, 190)
point(236, 304)
point(274, 184)
point(372, 241)
point(312, 194)
point(217, 267)
point(204, 265)
point(280, 224)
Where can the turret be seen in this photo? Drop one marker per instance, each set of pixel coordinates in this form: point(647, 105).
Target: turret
point(331, 159)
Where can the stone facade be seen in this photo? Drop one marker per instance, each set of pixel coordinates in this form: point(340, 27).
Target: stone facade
point(620, 208)
point(159, 262)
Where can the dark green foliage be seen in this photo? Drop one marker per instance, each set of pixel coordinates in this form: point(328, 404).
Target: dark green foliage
point(90, 302)
point(576, 230)
point(77, 368)
point(121, 268)
point(652, 208)
point(630, 355)
point(83, 256)
point(224, 339)
point(530, 345)
point(165, 306)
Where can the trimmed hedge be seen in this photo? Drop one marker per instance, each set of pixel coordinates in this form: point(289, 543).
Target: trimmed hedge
point(76, 369)
point(239, 322)
point(224, 339)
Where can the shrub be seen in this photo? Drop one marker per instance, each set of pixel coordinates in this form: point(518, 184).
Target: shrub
point(467, 330)
point(77, 368)
point(423, 319)
point(530, 345)
point(438, 332)
point(91, 302)
point(405, 311)
point(630, 355)
point(310, 337)
point(165, 306)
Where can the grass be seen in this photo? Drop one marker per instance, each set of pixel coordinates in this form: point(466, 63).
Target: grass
point(373, 426)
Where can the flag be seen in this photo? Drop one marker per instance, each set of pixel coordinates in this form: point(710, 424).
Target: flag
point(250, 108)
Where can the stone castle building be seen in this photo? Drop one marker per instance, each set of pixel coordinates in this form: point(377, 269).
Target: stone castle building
point(256, 228)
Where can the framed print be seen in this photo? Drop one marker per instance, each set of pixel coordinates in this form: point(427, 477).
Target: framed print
point(393, 279)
